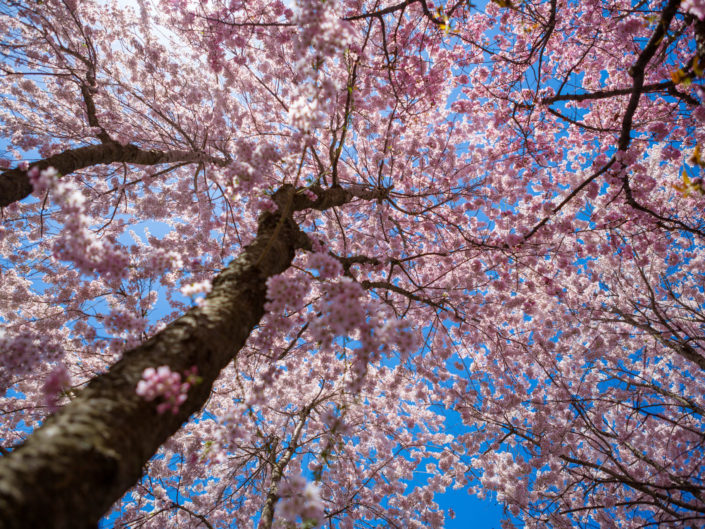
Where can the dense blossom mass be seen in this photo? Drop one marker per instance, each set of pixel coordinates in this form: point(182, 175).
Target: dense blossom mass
point(329, 260)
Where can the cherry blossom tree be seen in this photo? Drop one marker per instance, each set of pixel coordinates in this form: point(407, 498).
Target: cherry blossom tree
point(280, 244)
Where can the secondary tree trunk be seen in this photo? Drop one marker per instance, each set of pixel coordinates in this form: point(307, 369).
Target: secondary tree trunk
point(71, 470)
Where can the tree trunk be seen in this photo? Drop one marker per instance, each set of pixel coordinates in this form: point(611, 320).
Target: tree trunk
point(70, 471)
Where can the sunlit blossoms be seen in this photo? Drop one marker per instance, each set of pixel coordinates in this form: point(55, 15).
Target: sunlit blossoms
point(78, 243)
point(299, 499)
point(199, 287)
point(694, 7)
point(449, 246)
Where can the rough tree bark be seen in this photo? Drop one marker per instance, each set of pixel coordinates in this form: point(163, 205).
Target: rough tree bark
point(72, 469)
point(15, 184)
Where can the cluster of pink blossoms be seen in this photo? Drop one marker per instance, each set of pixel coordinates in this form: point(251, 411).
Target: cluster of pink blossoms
point(694, 7)
point(78, 243)
point(343, 311)
point(55, 384)
point(200, 287)
point(402, 335)
point(299, 499)
point(284, 292)
point(160, 260)
point(21, 351)
point(40, 180)
point(328, 267)
point(165, 383)
point(322, 31)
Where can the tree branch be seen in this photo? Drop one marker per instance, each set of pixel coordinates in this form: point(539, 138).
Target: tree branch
point(15, 184)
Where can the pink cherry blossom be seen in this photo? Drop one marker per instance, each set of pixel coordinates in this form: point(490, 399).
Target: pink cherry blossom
point(166, 385)
point(377, 251)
